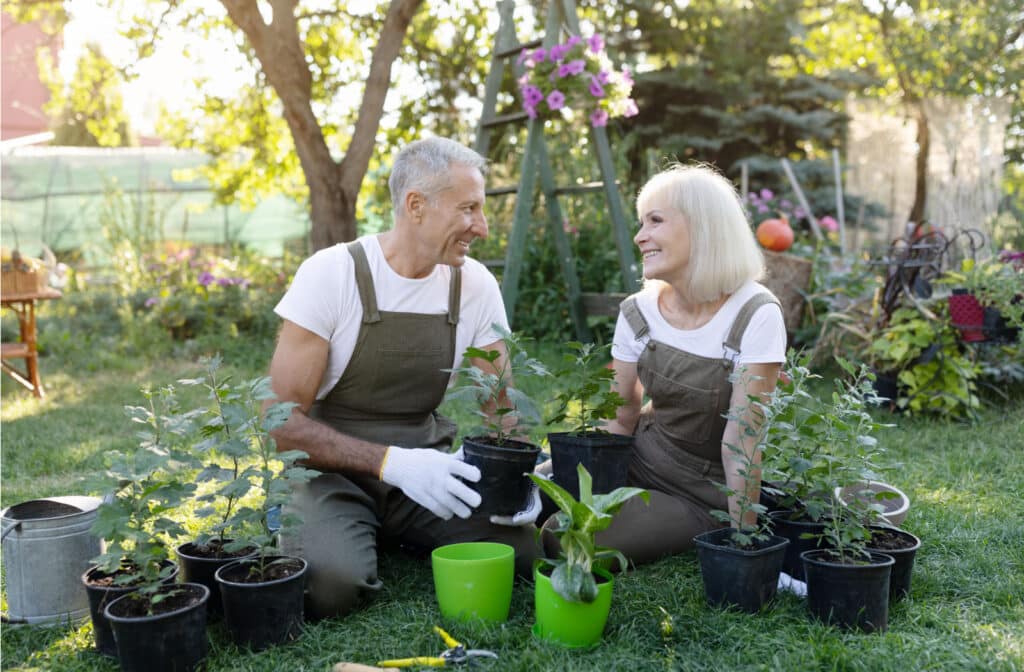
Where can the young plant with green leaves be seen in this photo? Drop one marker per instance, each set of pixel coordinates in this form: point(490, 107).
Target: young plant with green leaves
point(745, 535)
point(151, 483)
point(257, 479)
point(586, 398)
point(576, 524)
point(505, 411)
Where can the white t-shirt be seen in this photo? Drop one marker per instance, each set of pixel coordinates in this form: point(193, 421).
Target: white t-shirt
point(764, 341)
point(324, 299)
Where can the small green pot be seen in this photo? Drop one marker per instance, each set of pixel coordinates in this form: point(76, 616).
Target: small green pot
point(572, 624)
point(473, 580)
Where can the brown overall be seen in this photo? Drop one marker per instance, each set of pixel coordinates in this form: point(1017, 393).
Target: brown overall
point(678, 439)
point(388, 394)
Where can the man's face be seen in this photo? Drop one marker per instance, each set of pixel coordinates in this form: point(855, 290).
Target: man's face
point(454, 218)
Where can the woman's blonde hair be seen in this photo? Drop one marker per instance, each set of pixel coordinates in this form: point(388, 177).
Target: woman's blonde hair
point(723, 252)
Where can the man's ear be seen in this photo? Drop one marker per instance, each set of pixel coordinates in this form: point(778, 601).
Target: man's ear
point(414, 204)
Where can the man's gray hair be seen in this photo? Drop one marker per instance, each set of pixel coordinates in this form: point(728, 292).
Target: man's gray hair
point(423, 166)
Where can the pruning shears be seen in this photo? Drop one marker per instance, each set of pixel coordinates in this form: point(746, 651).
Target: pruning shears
point(455, 654)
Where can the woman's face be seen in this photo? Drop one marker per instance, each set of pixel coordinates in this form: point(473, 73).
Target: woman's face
point(663, 239)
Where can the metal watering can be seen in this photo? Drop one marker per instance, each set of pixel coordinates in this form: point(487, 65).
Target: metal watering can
point(46, 547)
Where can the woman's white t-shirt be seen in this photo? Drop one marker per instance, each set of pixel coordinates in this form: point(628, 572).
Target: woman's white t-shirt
point(764, 341)
point(324, 299)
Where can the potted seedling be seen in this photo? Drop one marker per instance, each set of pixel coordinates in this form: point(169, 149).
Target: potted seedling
point(740, 564)
point(505, 412)
point(987, 302)
point(262, 595)
point(221, 448)
point(586, 402)
point(572, 593)
point(138, 613)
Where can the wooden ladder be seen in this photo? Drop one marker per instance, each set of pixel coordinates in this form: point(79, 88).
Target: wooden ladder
point(536, 165)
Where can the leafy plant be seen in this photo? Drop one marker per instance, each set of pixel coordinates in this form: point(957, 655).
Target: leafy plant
point(505, 411)
point(258, 479)
point(135, 520)
point(576, 525)
point(586, 397)
point(744, 535)
point(813, 443)
point(997, 284)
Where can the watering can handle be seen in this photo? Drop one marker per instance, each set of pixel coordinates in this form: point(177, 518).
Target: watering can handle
point(10, 529)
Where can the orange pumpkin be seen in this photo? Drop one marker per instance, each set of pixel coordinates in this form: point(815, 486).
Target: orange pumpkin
point(775, 234)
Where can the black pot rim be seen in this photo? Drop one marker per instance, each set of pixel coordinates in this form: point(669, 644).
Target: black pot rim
point(704, 540)
point(485, 441)
point(119, 589)
point(114, 618)
point(605, 439)
point(901, 532)
point(201, 558)
point(240, 561)
point(878, 559)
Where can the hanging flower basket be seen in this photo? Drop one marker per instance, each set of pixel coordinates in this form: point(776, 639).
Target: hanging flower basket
point(575, 77)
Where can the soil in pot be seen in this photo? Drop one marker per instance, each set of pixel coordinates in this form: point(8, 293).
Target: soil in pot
point(503, 486)
point(102, 590)
point(736, 576)
point(200, 563)
point(263, 609)
point(167, 637)
point(902, 546)
point(789, 525)
point(605, 456)
point(850, 595)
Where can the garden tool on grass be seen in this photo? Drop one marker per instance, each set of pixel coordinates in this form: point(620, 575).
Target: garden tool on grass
point(455, 654)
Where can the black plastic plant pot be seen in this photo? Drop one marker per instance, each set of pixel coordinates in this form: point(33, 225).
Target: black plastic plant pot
point(852, 596)
point(605, 456)
point(171, 641)
point(996, 328)
point(100, 596)
point(739, 577)
point(899, 579)
point(503, 486)
point(198, 568)
point(260, 614)
point(784, 525)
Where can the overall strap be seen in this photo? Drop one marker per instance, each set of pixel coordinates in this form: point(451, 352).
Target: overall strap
point(364, 281)
point(637, 321)
point(454, 295)
point(739, 325)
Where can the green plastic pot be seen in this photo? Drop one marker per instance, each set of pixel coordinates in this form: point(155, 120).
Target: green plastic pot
point(571, 624)
point(473, 580)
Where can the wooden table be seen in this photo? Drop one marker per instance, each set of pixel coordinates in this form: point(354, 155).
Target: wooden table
point(24, 305)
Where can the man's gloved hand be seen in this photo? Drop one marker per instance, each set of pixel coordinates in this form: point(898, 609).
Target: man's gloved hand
point(428, 477)
point(527, 516)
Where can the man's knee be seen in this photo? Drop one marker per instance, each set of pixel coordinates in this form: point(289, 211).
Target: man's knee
point(335, 587)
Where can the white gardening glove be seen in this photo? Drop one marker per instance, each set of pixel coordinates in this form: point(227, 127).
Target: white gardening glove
point(527, 516)
point(428, 477)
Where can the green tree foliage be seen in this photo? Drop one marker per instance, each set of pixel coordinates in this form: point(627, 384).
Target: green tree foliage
point(88, 109)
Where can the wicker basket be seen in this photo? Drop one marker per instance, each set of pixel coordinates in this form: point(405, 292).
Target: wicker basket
point(21, 275)
point(788, 277)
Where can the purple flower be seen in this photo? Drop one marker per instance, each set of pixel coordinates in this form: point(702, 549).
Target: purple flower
point(532, 95)
point(603, 77)
point(752, 196)
point(531, 111)
point(573, 41)
point(152, 301)
point(799, 213)
point(631, 109)
point(563, 70)
point(828, 223)
point(559, 51)
point(627, 77)
point(205, 278)
point(576, 66)
point(523, 55)
point(599, 118)
point(539, 55)
point(556, 100)
point(595, 43)
point(767, 194)
point(786, 204)
point(762, 208)
point(224, 282)
point(596, 90)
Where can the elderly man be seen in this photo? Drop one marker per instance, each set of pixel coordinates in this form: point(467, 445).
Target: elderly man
point(369, 328)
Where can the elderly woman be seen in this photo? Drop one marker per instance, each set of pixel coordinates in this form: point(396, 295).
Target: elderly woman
point(699, 339)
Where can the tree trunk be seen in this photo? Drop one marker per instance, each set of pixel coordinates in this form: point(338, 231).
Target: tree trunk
point(333, 187)
point(921, 164)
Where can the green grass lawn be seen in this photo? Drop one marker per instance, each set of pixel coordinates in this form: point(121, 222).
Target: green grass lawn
point(965, 611)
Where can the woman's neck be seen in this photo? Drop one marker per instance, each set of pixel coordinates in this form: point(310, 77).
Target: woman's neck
point(684, 313)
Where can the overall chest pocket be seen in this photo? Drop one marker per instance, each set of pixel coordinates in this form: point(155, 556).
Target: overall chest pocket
point(684, 413)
